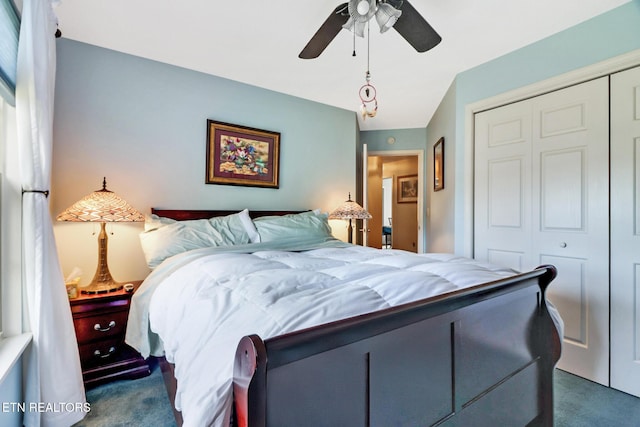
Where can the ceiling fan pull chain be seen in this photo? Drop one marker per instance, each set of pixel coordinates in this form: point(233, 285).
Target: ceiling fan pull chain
point(368, 44)
point(354, 44)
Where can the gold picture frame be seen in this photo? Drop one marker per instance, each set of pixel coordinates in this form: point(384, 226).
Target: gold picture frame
point(240, 155)
point(407, 189)
point(438, 165)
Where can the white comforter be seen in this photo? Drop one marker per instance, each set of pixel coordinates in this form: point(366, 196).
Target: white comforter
point(203, 308)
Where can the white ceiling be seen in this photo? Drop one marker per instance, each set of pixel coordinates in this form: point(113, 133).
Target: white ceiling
point(257, 42)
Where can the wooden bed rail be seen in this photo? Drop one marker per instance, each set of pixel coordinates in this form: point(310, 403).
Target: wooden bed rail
point(479, 356)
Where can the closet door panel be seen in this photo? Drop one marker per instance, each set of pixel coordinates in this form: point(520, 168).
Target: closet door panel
point(625, 231)
point(571, 223)
point(570, 296)
point(562, 207)
point(502, 220)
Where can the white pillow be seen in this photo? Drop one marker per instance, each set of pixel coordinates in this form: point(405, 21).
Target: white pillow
point(153, 221)
point(165, 237)
point(249, 227)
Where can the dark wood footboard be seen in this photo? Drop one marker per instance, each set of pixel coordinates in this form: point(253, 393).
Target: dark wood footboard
point(168, 375)
point(482, 356)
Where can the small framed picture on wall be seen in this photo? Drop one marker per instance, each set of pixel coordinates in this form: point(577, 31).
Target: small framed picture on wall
point(407, 190)
point(438, 165)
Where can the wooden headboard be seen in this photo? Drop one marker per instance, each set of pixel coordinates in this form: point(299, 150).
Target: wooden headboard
point(187, 214)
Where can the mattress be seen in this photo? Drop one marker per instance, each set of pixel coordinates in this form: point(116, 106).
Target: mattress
point(195, 307)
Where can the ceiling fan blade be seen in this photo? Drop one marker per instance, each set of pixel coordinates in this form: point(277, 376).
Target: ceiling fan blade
point(413, 27)
point(326, 33)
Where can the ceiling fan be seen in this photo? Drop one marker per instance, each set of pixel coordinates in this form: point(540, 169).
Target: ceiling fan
point(355, 14)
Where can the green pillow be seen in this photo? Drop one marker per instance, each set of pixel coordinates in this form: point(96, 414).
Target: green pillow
point(305, 224)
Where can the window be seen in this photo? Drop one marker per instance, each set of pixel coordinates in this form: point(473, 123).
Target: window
point(3, 143)
point(9, 31)
point(14, 340)
point(10, 200)
point(10, 230)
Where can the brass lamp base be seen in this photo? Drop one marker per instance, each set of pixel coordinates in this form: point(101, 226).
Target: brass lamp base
point(101, 288)
point(102, 282)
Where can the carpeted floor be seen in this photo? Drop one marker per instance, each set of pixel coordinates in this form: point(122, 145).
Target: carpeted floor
point(582, 403)
point(144, 402)
point(137, 403)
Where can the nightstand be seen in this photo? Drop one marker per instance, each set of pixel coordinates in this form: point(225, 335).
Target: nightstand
point(100, 322)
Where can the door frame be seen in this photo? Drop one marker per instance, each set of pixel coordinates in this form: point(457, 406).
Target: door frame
point(421, 188)
point(590, 72)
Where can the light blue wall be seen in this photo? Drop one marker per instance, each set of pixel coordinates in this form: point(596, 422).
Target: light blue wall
point(11, 396)
point(142, 124)
point(605, 36)
point(406, 139)
point(440, 204)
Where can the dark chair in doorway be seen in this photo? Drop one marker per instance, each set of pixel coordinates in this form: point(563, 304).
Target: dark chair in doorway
point(386, 236)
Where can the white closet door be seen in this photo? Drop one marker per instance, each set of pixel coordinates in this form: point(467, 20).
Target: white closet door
point(502, 212)
point(625, 231)
point(542, 198)
point(571, 218)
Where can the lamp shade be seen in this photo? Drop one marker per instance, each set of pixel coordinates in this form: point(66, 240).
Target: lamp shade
point(360, 12)
point(386, 16)
point(101, 206)
point(350, 210)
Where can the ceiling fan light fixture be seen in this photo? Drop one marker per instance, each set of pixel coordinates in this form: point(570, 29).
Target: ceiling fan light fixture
point(387, 16)
point(356, 27)
point(360, 12)
point(363, 7)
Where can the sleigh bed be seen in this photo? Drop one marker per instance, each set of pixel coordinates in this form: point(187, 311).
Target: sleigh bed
point(478, 352)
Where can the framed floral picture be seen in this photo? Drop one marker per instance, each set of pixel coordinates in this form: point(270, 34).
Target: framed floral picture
point(407, 189)
point(240, 155)
point(438, 165)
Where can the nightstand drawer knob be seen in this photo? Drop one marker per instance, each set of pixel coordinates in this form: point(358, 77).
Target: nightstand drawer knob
point(98, 327)
point(98, 353)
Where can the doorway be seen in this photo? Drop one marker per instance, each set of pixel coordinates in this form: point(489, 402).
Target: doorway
point(396, 220)
point(387, 211)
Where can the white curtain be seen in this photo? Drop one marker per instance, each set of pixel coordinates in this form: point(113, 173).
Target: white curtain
point(53, 374)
